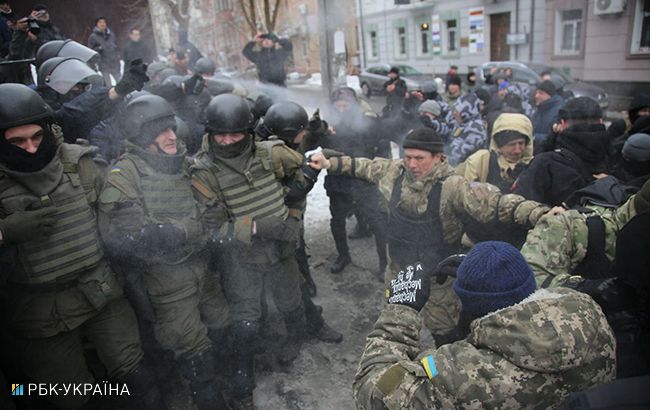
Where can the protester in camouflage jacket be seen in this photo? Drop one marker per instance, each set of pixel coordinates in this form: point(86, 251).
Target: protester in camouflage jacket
point(457, 199)
point(558, 244)
point(528, 355)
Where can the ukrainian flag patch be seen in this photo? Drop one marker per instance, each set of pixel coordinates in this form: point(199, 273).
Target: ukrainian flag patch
point(115, 169)
point(429, 366)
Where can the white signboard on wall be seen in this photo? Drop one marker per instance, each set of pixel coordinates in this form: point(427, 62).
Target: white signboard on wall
point(476, 30)
point(436, 42)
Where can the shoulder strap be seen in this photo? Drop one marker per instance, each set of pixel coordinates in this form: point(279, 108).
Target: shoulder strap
point(595, 264)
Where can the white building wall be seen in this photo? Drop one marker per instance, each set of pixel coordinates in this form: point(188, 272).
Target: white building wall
point(382, 15)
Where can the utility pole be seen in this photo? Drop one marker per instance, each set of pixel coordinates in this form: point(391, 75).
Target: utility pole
point(333, 61)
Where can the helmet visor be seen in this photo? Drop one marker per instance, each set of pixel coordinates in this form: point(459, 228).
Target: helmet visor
point(69, 73)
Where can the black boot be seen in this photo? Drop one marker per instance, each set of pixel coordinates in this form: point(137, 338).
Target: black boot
point(296, 330)
point(244, 334)
point(340, 263)
point(199, 371)
point(145, 392)
point(325, 334)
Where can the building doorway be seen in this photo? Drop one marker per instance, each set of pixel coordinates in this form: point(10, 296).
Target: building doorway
point(499, 29)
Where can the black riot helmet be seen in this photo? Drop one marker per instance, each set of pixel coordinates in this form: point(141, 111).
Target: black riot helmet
point(66, 48)
point(204, 66)
point(285, 120)
point(228, 114)
point(63, 73)
point(146, 117)
point(20, 105)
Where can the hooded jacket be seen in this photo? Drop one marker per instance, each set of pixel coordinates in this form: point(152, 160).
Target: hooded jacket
point(477, 166)
point(471, 135)
point(530, 355)
point(104, 43)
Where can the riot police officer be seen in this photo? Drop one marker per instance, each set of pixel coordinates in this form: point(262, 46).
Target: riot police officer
point(243, 205)
point(60, 287)
point(149, 217)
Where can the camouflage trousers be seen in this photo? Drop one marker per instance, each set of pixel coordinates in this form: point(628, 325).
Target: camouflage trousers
point(188, 305)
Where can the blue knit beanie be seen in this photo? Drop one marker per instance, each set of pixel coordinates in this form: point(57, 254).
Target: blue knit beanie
point(494, 275)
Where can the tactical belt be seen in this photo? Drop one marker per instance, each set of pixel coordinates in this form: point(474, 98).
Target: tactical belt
point(59, 284)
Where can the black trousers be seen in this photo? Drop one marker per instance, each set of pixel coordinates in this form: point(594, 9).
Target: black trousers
point(366, 202)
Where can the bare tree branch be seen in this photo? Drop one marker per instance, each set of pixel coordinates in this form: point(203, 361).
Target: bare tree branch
point(181, 18)
point(267, 16)
point(276, 9)
point(250, 21)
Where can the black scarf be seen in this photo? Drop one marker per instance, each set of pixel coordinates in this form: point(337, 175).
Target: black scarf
point(17, 159)
point(587, 141)
point(161, 161)
point(231, 150)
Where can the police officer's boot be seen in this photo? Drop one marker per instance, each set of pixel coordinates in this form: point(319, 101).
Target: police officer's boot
point(141, 382)
point(341, 242)
point(243, 334)
point(296, 329)
point(199, 371)
point(316, 326)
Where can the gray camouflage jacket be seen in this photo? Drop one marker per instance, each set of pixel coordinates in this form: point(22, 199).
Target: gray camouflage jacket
point(530, 355)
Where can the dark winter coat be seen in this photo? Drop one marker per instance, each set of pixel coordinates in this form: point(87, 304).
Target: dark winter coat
point(80, 115)
point(395, 98)
point(136, 50)
point(545, 116)
point(552, 176)
point(104, 43)
point(269, 61)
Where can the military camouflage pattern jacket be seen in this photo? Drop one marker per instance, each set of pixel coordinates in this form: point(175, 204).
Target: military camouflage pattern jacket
point(557, 244)
point(530, 355)
point(458, 197)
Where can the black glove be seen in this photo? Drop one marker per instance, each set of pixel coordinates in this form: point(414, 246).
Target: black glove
point(448, 267)
point(287, 230)
point(310, 173)
point(193, 85)
point(133, 78)
point(410, 287)
point(163, 237)
point(22, 226)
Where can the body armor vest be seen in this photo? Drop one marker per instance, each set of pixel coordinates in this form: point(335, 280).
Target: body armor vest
point(416, 237)
point(74, 245)
point(256, 192)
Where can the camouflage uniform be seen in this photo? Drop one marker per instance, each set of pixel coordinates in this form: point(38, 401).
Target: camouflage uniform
point(60, 287)
point(530, 355)
point(458, 198)
point(187, 302)
point(557, 244)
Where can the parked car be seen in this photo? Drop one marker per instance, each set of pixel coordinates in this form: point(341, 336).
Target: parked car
point(530, 74)
point(372, 79)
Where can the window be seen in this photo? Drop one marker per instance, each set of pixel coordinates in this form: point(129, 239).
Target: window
point(568, 32)
point(223, 5)
point(423, 39)
point(641, 28)
point(451, 34)
point(401, 42)
point(373, 42)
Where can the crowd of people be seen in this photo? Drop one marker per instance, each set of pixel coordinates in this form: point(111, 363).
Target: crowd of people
point(147, 213)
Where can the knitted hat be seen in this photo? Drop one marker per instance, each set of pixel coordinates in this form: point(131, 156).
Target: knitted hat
point(494, 275)
point(581, 108)
point(504, 85)
point(455, 79)
point(425, 139)
point(394, 70)
point(637, 148)
point(642, 198)
point(548, 87)
point(511, 122)
point(430, 106)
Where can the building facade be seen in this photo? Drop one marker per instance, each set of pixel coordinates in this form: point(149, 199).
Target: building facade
point(432, 35)
point(607, 43)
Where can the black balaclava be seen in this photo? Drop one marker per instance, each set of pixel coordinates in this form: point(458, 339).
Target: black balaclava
point(17, 159)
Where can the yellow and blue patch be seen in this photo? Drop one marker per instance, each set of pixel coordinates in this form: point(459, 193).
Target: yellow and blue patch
point(115, 169)
point(429, 366)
